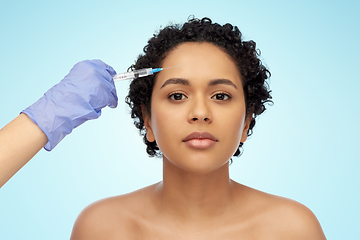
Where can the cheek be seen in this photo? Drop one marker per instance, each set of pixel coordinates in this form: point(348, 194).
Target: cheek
point(165, 124)
point(233, 129)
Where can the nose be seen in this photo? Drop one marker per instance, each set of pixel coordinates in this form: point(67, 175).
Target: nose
point(200, 111)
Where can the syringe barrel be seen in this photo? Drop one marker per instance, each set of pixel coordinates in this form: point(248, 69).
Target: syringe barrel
point(133, 74)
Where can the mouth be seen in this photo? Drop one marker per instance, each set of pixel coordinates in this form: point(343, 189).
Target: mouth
point(199, 136)
point(200, 140)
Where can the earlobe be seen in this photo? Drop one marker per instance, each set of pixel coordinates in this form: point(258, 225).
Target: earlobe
point(147, 123)
point(246, 128)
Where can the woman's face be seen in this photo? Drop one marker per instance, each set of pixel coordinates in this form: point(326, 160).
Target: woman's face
point(198, 109)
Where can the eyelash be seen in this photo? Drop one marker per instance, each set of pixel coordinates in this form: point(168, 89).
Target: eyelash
point(223, 94)
point(172, 95)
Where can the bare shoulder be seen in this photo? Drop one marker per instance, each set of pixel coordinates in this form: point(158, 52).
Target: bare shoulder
point(285, 218)
point(109, 218)
point(296, 220)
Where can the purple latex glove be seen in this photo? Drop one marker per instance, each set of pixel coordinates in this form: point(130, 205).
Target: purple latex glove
point(79, 97)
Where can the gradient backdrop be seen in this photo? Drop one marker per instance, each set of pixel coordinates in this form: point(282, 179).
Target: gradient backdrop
point(305, 147)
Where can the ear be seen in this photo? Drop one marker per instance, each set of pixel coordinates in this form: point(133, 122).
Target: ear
point(246, 127)
point(147, 122)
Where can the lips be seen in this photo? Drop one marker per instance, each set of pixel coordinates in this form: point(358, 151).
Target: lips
point(200, 135)
point(200, 140)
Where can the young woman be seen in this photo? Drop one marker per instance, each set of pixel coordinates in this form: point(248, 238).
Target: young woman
point(196, 116)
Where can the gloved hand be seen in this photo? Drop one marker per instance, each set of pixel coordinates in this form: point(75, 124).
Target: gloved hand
point(79, 97)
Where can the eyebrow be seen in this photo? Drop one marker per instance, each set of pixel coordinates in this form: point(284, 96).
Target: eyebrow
point(176, 81)
point(186, 82)
point(222, 81)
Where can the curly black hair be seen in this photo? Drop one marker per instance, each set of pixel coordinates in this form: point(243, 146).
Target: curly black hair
point(229, 39)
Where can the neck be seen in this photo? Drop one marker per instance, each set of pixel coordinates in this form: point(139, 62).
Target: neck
point(192, 196)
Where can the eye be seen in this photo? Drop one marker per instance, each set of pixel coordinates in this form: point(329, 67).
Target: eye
point(221, 96)
point(177, 96)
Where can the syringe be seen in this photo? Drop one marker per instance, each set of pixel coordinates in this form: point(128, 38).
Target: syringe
point(138, 73)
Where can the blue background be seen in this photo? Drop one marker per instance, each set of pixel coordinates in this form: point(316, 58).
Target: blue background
point(305, 147)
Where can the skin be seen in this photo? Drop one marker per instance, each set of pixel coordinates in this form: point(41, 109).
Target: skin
point(20, 140)
point(197, 199)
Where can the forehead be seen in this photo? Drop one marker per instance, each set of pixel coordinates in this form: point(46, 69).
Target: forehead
point(199, 61)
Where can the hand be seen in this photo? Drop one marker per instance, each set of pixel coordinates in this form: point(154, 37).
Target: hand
point(79, 97)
